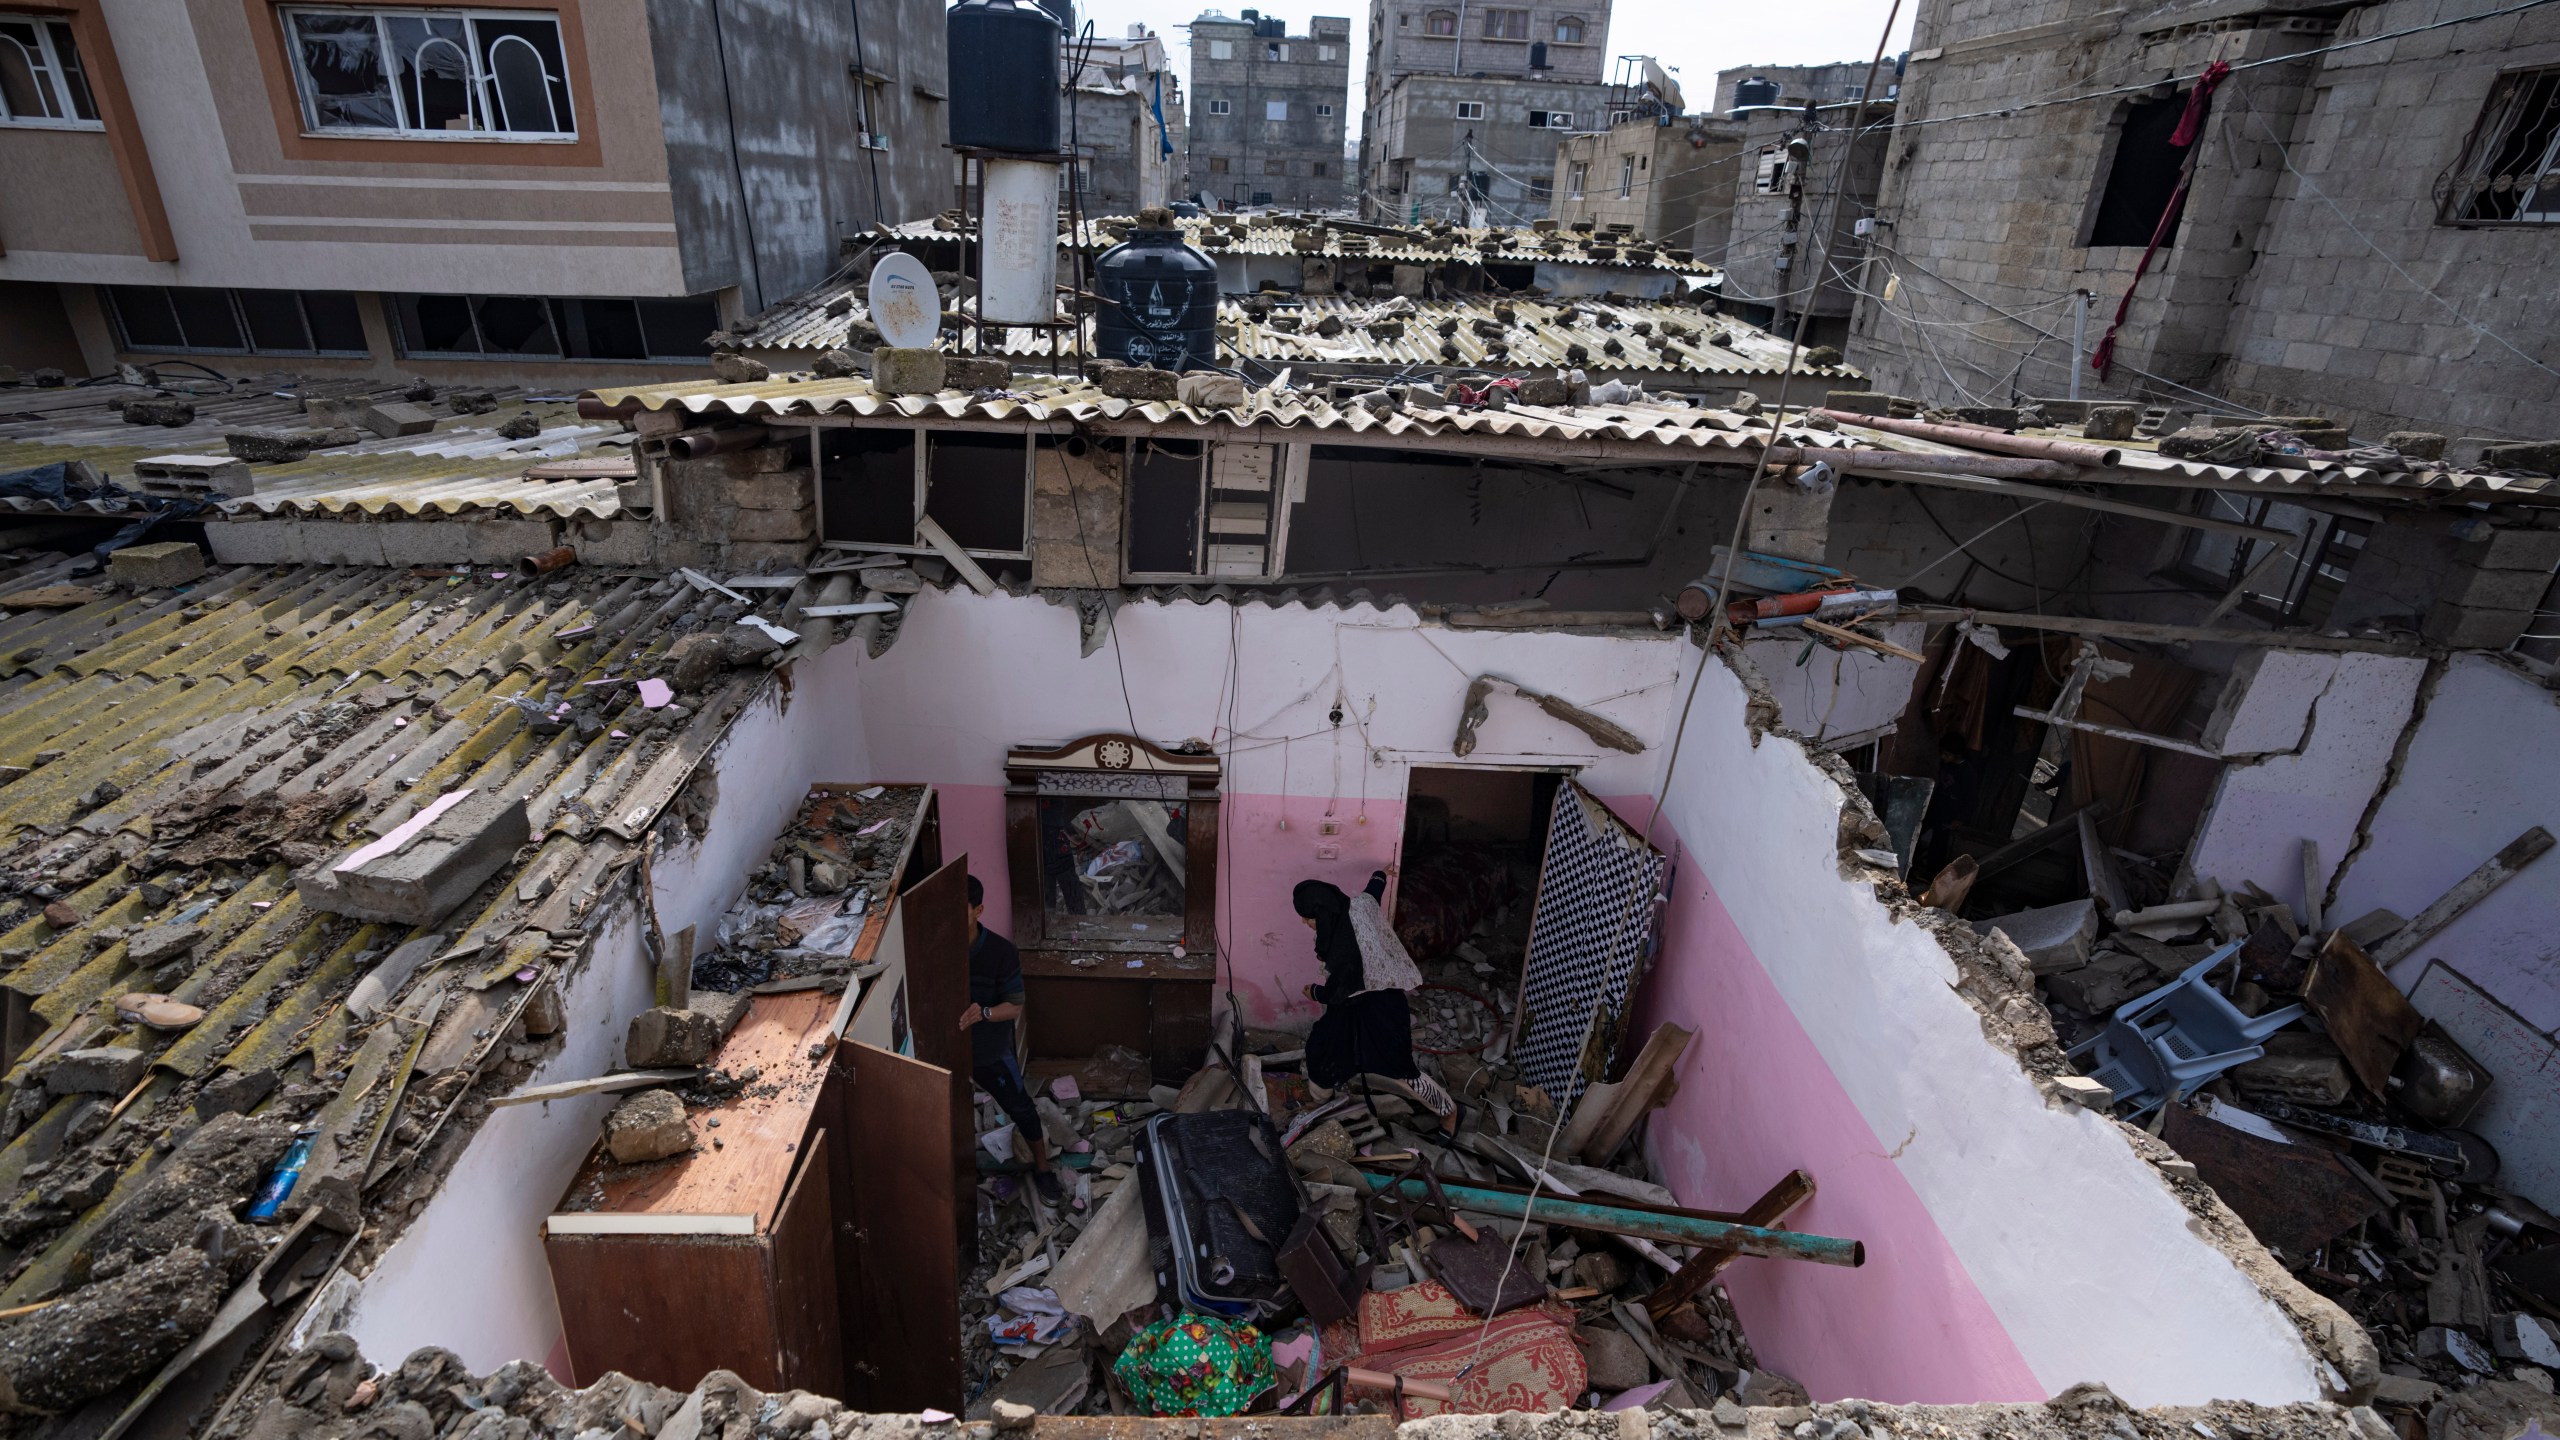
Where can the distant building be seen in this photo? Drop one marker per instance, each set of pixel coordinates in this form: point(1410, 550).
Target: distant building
point(1270, 110)
point(1465, 105)
point(1124, 113)
point(1832, 84)
point(1665, 176)
point(1776, 263)
point(536, 194)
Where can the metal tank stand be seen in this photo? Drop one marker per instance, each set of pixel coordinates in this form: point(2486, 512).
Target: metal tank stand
point(975, 202)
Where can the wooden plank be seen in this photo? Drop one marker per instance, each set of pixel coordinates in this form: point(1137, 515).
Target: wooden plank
point(933, 918)
point(1781, 1200)
point(760, 1128)
point(808, 1323)
point(902, 1313)
point(2053, 832)
point(2098, 864)
point(599, 1085)
point(2365, 1013)
point(626, 1303)
point(2495, 871)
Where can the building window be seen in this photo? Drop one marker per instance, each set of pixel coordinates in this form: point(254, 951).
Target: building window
point(1470, 109)
point(2303, 574)
point(1440, 22)
point(1626, 177)
point(1506, 24)
point(1217, 164)
point(41, 82)
point(1319, 169)
point(478, 327)
point(1275, 109)
point(2510, 167)
point(1324, 112)
point(1275, 167)
point(1853, 92)
point(1569, 30)
point(1220, 107)
point(873, 483)
point(1576, 176)
point(1275, 52)
point(2143, 177)
point(1550, 119)
point(1328, 52)
point(1620, 117)
point(235, 322)
point(431, 73)
point(1222, 49)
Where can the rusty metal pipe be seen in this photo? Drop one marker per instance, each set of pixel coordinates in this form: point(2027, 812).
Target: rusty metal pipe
point(2070, 452)
point(701, 444)
point(1887, 462)
point(591, 408)
point(543, 562)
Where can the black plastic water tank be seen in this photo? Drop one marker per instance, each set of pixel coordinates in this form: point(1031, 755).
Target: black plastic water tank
point(1004, 76)
point(1755, 91)
point(1159, 300)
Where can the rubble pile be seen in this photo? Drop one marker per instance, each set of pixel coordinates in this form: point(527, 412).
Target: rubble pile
point(1060, 1295)
point(2286, 1070)
point(824, 884)
point(327, 1390)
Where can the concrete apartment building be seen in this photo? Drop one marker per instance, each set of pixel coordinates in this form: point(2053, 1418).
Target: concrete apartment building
point(1465, 105)
point(2366, 235)
point(1668, 177)
point(542, 191)
point(1777, 206)
point(1125, 116)
point(1833, 84)
point(1271, 110)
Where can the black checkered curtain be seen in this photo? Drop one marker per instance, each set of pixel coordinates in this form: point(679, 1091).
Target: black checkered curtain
point(1590, 938)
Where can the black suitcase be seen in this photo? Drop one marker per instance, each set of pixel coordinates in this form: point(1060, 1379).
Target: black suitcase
point(1221, 1200)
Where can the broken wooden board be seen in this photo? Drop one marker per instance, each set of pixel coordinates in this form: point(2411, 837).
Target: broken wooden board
point(597, 1085)
point(2473, 888)
point(589, 467)
point(2368, 1017)
point(51, 597)
point(2294, 1198)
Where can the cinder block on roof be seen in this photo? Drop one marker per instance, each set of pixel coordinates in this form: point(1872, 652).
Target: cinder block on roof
point(416, 878)
point(146, 567)
point(397, 417)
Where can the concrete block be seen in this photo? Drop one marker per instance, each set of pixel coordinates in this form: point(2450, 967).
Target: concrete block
point(269, 447)
point(2510, 548)
point(160, 411)
point(101, 1070)
point(252, 542)
point(436, 869)
point(899, 371)
point(768, 556)
point(2494, 589)
point(1858, 402)
point(778, 490)
point(669, 1039)
point(766, 525)
point(2459, 627)
point(670, 549)
point(155, 943)
point(612, 542)
point(2107, 981)
point(1131, 383)
point(1614, 1360)
point(892, 580)
point(733, 369)
point(193, 475)
point(1205, 391)
point(397, 417)
point(648, 1126)
point(2054, 938)
point(2538, 455)
point(724, 467)
point(2416, 444)
point(423, 542)
point(330, 413)
point(635, 497)
point(976, 372)
point(506, 542)
point(146, 567)
point(725, 1007)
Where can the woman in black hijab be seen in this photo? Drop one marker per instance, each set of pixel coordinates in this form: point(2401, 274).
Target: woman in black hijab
point(1363, 1030)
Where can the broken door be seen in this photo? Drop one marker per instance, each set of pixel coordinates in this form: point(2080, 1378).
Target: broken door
point(933, 920)
point(1599, 889)
point(898, 1250)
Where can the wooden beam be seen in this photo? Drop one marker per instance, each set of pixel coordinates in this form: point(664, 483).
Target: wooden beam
point(2117, 732)
point(1781, 1201)
point(2020, 490)
point(2473, 888)
point(2052, 833)
point(599, 1085)
point(2166, 634)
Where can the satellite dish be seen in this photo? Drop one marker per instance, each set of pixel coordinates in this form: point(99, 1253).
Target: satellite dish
point(904, 303)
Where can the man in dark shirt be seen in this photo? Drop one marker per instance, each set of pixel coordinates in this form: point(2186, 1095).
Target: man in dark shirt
point(995, 1002)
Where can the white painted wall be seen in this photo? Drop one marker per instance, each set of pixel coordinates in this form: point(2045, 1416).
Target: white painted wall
point(2077, 1245)
point(1835, 694)
point(469, 1273)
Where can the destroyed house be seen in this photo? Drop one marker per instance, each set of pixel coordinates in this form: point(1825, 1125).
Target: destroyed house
point(566, 945)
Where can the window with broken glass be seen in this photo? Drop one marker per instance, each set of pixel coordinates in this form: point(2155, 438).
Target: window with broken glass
point(180, 319)
point(2297, 579)
point(876, 484)
point(528, 327)
point(431, 74)
point(41, 81)
point(2509, 173)
point(1112, 867)
point(1201, 513)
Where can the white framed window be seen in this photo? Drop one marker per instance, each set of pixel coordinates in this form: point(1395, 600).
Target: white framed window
point(1854, 92)
point(1621, 117)
point(1222, 49)
point(1470, 109)
point(1221, 107)
point(1576, 176)
point(1506, 24)
point(1323, 111)
point(1569, 30)
point(2509, 172)
point(1626, 177)
point(431, 74)
point(1328, 52)
point(41, 81)
point(1275, 109)
point(1550, 119)
point(1275, 52)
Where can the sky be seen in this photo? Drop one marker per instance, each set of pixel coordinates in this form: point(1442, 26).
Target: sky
point(1695, 38)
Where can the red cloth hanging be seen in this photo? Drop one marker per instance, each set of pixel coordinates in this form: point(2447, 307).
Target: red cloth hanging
point(2190, 126)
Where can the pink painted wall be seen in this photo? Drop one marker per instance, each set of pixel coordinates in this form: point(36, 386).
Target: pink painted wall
point(1755, 1101)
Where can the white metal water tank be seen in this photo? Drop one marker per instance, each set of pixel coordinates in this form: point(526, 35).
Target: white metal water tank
point(1019, 261)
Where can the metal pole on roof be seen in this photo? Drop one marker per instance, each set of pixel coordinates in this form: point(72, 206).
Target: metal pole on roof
point(2079, 337)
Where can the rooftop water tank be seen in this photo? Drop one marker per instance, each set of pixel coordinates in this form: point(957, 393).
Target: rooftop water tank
point(1755, 91)
point(1004, 69)
point(1159, 299)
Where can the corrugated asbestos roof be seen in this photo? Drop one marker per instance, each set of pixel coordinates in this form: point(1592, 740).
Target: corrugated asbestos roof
point(1277, 235)
point(462, 465)
point(177, 755)
point(2142, 460)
